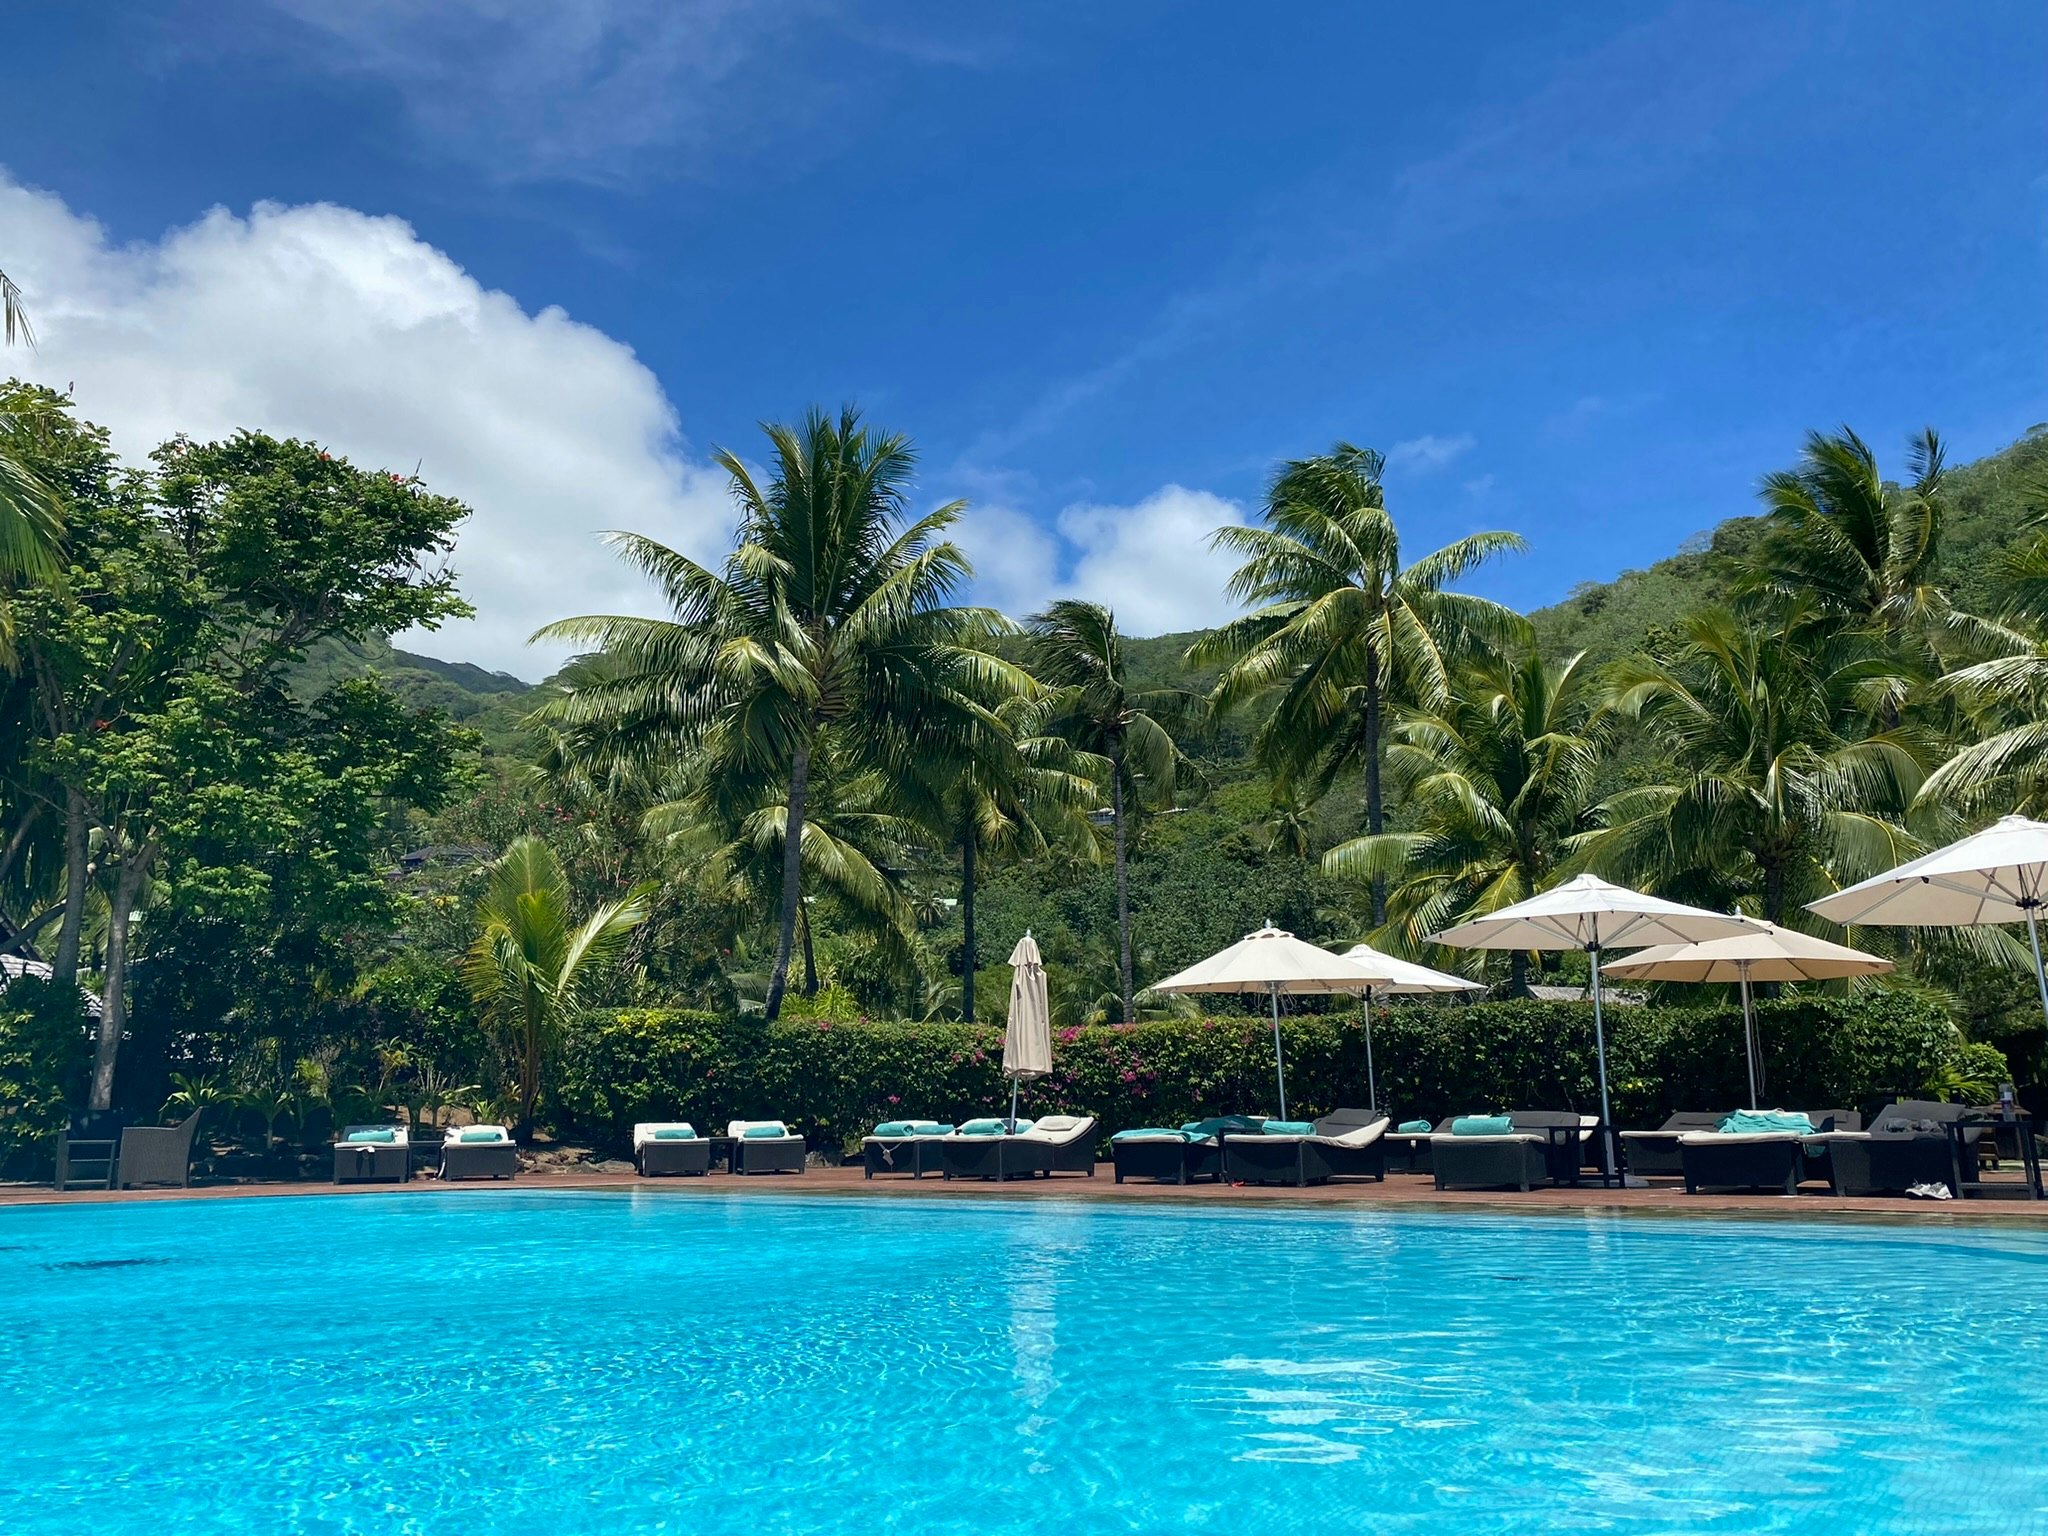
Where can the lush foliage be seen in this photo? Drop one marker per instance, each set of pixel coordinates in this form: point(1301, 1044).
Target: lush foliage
point(43, 1064)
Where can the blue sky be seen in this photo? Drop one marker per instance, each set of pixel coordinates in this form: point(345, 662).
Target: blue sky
point(1583, 272)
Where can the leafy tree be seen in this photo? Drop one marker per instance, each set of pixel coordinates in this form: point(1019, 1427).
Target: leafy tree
point(531, 965)
point(832, 617)
point(1078, 656)
point(1342, 629)
point(1498, 781)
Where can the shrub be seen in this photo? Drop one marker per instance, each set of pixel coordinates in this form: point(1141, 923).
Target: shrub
point(44, 1060)
point(834, 1080)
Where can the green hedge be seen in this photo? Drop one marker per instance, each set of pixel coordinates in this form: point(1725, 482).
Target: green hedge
point(835, 1080)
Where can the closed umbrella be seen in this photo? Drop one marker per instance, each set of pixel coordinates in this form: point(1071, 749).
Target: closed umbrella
point(1594, 915)
point(1397, 975)
point(1768, 953)
point(1027, 1038)
point(1270, 961)
point(1999, 875)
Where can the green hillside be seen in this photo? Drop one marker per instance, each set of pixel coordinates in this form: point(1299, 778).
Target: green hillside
point(490, 703)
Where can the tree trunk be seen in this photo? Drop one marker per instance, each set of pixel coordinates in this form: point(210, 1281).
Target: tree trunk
point(1375, 814)
point(529, 1069)
point(113, 991)
point(803, 927)
point(967, 923)
point(65, 966)
point(792, 877)
point(1518, 973)
point(1123, 877)
point(1774, 893)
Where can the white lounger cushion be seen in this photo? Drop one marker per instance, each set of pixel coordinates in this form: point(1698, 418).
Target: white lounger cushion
point(1727, 1139)
point(453, 1135)
point(644, 1131)
point(1061, 1130)
point(738, 1129)
point(1364, 1136)
point(1445, 1138)
point(403, 1138)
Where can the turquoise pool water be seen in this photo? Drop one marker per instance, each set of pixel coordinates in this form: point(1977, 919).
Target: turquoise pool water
point(552, 1364)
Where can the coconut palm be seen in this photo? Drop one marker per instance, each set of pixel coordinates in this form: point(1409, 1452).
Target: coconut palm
point(531, 965)
point(31, 525)
point(1498, 780)
point(1078, 656)
point(831, 617)
point(1342, 629)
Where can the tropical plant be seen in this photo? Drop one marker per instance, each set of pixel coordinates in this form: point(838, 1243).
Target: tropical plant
point(832, 617)
point(206, 1092)
point(1077, 655)
point(1497, 781)
point(531, 965)
point(31, 521)
point(1342, 630)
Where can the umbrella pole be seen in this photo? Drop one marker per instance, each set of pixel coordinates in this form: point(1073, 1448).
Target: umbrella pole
point(1748, 1032)
point(1372, 1091)
point(2034, 938)
point(1011, 1128)
point(1279, 1061)
point(1600, 1049)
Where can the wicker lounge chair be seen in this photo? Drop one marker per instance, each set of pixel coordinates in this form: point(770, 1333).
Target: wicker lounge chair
point(1407, 1151)
point(1906, 1143)
point(915, 1151)
point(1769, 1160)
point(1656, 1152)
point(779, 1152)
point(1516, 1158)
point(975, 1153)
point(680, 1150)
point(370, 1154)
point(1345, 1143)
point(1169, 1155)
point(157, 1154)
point(1072, 1138)
point(87, 1150)
point(466, 1154)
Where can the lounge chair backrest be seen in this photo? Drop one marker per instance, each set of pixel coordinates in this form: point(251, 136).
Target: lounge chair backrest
point(1845, 1119)
point(1909, 1114)
point(399, 1139)
point(455, 1133)
point(1544, 1119)
point(739, 1128)
point(1695, 1120)
point(1339, 1121)
point(1059, 1125)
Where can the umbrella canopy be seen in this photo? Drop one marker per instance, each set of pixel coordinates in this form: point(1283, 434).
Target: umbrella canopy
point(1767, 953)
point(1591, 913)
point(1271, 961)
point(1994, 876)
point(1027, 1040)
point(1397, 975)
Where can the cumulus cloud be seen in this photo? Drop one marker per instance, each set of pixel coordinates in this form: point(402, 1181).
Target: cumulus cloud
point(1149, 561)
point(322, 322)
point(1425, 454)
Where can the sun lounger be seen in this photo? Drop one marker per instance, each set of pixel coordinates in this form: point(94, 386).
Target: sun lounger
point(1765, 1159)
point(1508, 1157)
point(903, 1146)
point(1347, 1142)
point(1072, 1138)
point(157, 1154)
point(1165, 1153)
point(1405, 1146)
point(669, 1146)
point(1907, 1143)
point(975, 1151)
point(478, 1152)
point(373, 1154)
point(1656, 1152)
point(765, 1146)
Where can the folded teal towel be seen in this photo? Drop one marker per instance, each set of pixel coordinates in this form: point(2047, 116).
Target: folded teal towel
point(384, 1135)
point(932, 1129)
point(1482, 1125)
point(676, 1133)
point(772, 1132)
point(895, 1128)
point(491, 1133)
point(1150, 1132)
point(1415, 1127)
point(984, 1127)
point(1288, 1128)
point(1758, 1122)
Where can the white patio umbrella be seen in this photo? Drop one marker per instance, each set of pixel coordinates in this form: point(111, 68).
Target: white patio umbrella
point(1027, 1038)
point(1594, 915)
point(1769, 953)
point(1397, 975)
point(1270, 961)
point(1999, 875)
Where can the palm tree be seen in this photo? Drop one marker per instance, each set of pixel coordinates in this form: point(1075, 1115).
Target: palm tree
point(1078, 656)
point(831, 617)
point(1784, 782)
point(1342, 629)
point(31, 524)
point(13, 318)
point(1499, 779)
point(531, 965)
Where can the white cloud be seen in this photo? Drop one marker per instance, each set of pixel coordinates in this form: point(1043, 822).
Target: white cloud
point(321, 322)
point(1149, 561)
point(1428, 453)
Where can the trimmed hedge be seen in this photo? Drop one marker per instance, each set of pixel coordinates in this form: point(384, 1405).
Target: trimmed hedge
point(834, 1081)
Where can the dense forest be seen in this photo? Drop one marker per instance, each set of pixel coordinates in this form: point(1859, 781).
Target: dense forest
point(288, 858)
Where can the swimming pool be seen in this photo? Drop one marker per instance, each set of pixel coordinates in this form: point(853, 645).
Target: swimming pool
point(553, 1363)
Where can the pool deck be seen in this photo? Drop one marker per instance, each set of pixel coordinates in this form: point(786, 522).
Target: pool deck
point(1399, 1192)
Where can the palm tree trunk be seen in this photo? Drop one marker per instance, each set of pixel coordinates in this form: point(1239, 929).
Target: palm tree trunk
point(792, 877)
point(1518, 973)
point(114, 988)
point(1123, 876)
point(65, 966)
point(529, 1067)
point(967, 922)
point(1375, 811)
point(803, 927)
